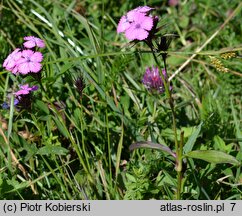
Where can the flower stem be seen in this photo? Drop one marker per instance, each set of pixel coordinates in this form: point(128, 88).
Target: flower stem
point(178, 146)
point(179, 167)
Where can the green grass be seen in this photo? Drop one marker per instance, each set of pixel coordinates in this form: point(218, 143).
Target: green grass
point(76, 146)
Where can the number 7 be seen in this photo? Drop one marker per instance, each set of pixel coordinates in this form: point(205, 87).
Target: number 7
point(233, 205)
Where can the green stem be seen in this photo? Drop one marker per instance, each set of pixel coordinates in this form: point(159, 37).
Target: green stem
point(169, 96)
point(171, 103)
point(179, 167)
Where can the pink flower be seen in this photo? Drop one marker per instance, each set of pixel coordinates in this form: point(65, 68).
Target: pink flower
point(25, 89)
point(32, 41)
point(29, 62)
point(10, 63)
point(136, 24)
point(140, 27)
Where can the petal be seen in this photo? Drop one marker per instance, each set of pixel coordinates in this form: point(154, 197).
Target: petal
point(130, 33)
point(27, 53)
point(11, 57)
point(21, 61)
point(21, 92)
point(36, 57)
point(139, 17)
point(147, 23)
point(40, 43)
point(143, 9)
point(29, 44)
point(16, 101)
point(131, 15)
point(34, 88)
point(24, 68)
point(26, 86)
point(29, 37)
point(17, 56)
point(139, 34)
point(5, 62)
point(35, 67)
point(15, 70)
point(123, 24)
point(9, 64)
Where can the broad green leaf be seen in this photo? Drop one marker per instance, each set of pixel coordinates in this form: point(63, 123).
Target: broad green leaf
point(213, 156)
point(192, 139)
point(151, 145)
point(51, 149)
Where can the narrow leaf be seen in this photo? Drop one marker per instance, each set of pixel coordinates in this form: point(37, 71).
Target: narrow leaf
point(61, 127)
point(192, 139)
point(51, 149)
point(119, 151)
point(213, 156)
point(151, 145)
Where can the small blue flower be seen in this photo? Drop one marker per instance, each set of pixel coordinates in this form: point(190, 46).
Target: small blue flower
point(5, 105)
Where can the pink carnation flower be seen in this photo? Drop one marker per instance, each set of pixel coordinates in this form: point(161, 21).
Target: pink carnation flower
point(32, 41)
point(25, 89)
point(127, 19)
point(140, 27)
point(29, 62)
point(136, 24)
point(10, 63)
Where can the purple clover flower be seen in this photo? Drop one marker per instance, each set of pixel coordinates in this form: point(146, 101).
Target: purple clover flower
point(153, 81)
point(136, 24)
point(10, 63)
point(32, 41)
point(29, 62)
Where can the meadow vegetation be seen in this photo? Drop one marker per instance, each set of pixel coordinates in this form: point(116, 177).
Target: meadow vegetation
point(93, 127)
